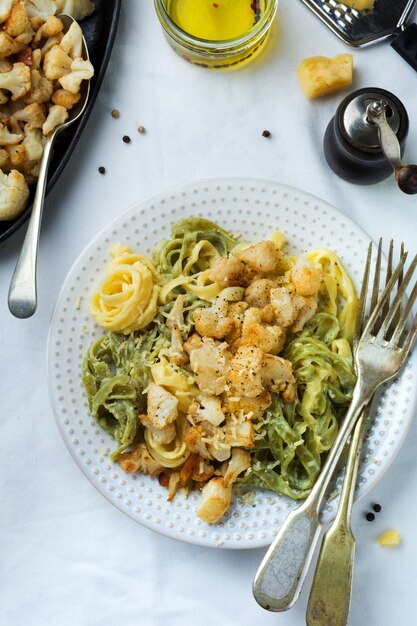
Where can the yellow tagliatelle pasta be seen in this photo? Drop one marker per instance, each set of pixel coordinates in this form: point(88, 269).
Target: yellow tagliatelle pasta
point(168, 454)
point(127, 298)
point(169, 376)
point(336, 283)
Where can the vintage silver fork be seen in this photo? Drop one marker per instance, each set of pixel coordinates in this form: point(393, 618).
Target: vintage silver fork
point(380, 353)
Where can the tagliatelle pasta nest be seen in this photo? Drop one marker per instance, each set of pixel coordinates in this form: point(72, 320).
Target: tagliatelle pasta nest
point(227, 362)
point(127, 299)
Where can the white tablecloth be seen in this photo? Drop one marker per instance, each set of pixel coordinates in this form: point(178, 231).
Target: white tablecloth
point(68, 558)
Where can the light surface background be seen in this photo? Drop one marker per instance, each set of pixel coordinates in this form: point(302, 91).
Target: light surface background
point(67, 556)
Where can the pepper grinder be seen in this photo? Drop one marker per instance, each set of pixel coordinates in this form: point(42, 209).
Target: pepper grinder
point(365, 139)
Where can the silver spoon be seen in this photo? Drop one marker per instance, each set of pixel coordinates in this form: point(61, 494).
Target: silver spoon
point(22, 292)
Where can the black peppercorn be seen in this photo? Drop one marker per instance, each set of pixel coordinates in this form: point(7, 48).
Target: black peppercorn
point(266, 133)
point(102, 169)
point(126, 139)
point(377, 508)
point(370, 517)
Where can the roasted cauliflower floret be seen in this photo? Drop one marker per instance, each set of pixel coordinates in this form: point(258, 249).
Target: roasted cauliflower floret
point(202, 471)
point(175, 322)
point(229, 271)
point(17, 81)
point(72, 42)
point(276, 372)
point(5, 8)
point(208, 441)
point(80, 70)
point(162, 406)
point(261, 257)
point(195, 441)
point(193, 343)
point(306, 277)
point(284, 307)
point(52, 27)
point(65, 99)
point(236, 315)
point(213, 322)
point(306, 312)
point(245, 372)
point(255, 332)
point(17, 154)
point(160, 435)
point(8, 138)
point(33, 143)
point(208, 409)
point(139, 460)
point(239, 433)
point(209, 364)
point(250, 408)
point(240, 461)
point(57, 116)
point(50, 43)
point(40, 8)
point(41, 89)
point(257, 294)
point(217, 493)
point(215, 500)
point(33, 114)
point(292, 310)
point(14, 193)
point(8, 45)
point(18, 25)
point(57, 63)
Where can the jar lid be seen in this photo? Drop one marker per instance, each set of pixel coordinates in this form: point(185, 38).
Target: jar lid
point(353, 122)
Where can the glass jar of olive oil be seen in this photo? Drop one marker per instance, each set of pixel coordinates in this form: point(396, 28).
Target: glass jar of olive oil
point(219, 34)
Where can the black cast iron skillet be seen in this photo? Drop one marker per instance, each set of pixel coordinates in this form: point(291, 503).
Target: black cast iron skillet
point(99, 31)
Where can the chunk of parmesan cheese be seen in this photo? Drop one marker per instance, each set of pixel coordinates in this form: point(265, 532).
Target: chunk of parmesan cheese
point(319, 76)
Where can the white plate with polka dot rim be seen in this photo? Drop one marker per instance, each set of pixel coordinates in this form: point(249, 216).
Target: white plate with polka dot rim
point(253, 208)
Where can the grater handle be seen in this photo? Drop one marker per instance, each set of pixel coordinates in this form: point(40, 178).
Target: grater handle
point(406, 45)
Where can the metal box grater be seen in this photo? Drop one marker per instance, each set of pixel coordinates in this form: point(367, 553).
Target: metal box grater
point(362, 28)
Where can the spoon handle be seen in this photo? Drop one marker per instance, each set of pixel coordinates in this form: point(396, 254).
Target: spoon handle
point(22, 292)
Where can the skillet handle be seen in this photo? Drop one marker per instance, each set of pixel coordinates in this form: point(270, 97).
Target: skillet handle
point(406, 45)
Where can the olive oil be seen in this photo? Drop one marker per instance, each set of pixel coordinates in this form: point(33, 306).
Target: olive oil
point(217, 34)
point(217, 20)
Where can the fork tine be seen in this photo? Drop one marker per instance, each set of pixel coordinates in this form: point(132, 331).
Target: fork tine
point(362, 299)
point(397, 300)
point(377, 276)
point(410, 338)
point(388, 275)
point(400, 308)
point(385, 294)
point(403, 319)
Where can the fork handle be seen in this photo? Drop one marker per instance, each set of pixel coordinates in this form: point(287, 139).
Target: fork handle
point(280, 577)
point(22, 293)
point(331, 591)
